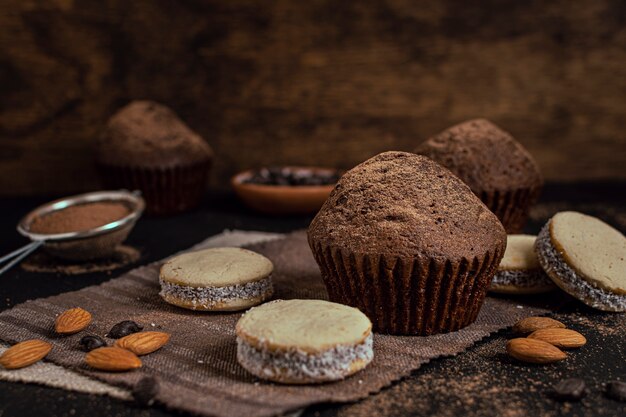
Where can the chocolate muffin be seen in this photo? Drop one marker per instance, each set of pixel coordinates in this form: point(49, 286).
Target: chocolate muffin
point(146, 146)
point(496, 167)
point(408, 243)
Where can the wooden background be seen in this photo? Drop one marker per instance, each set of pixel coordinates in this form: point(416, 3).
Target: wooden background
point(310, 82)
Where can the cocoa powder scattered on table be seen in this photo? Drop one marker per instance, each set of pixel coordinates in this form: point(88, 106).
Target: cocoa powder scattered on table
point(42, 262)
point(78, 218)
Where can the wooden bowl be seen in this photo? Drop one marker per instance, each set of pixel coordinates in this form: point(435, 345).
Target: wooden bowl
point(282, 199)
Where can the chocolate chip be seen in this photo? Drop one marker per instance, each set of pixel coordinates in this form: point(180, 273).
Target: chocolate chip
point(145, 390)
point(91, 342)
point(124, 328)
point(571, 389)
point(616, 390)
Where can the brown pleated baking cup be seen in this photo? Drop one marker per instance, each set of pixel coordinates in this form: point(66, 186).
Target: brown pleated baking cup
point(419, 296)
point(512, 207)
point(166, 190)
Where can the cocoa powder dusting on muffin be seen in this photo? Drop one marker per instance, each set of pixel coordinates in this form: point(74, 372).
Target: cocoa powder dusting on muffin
point(390, 205)
point(495, 166)
point(79, 218)
point(150, 135)
point(484, 156)
point(408, 243)
point(146, 146)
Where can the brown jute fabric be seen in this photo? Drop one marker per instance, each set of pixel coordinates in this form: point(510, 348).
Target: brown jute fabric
point(198, 370)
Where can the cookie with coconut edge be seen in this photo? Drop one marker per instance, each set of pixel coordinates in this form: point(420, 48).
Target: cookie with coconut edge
point(304, 341)
point(519, 271)
point(217, 279)
point(586, 258)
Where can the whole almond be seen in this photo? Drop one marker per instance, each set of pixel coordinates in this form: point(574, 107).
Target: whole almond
point(24, 354)
point(561, 338)
point(144, 342)
point(534, 351)
point(530, 324)
point(72, 321)
point(112, 359)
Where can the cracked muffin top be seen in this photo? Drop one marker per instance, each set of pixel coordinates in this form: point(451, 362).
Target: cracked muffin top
point(484, 156)
point(406, 205)
point(148, 134)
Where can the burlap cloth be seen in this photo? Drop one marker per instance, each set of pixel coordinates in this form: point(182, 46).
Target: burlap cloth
point(198, 370)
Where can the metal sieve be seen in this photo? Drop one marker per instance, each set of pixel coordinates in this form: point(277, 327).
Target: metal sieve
point(96, 243)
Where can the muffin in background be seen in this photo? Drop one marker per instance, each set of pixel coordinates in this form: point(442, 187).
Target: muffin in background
point(408, 243)
point(145, 146)
point(496, 167)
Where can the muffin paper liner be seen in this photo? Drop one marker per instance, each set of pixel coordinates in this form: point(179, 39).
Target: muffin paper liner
point(419, 296)
point(511, 207)
point(166, 190)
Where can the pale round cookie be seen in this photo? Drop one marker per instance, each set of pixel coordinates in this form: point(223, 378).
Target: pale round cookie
point(304, 341)
point(217, 279)
point(519, 271)
point(586, 258)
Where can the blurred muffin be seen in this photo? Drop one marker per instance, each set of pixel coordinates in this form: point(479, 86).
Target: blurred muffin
point(408, 243)
point(145, 146)
point(496, 167)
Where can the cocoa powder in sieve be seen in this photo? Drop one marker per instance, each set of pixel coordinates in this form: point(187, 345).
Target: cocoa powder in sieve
point(78, 218)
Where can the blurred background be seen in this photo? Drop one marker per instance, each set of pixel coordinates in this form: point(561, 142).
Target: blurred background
point(310, 82)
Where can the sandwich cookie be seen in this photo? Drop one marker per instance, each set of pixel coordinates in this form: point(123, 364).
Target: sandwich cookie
point(217, 279)
point(586, 258)
point(519, 271)
point(304, 341)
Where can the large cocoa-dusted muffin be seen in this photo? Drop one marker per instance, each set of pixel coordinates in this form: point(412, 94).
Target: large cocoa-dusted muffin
point(496, 167)
point(408, 243)
point(146, 146)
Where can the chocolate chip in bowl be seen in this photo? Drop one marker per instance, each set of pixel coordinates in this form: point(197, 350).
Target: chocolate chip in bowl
point(285, 190)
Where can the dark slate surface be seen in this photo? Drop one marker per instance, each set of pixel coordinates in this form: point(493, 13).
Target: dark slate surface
point(479, 382)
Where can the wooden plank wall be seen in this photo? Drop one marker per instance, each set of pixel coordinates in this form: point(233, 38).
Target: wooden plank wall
point(310, 82)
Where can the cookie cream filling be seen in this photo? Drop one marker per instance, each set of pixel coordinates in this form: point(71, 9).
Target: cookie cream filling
point(207, 297)
point(329, 365)
point(522, 278)
point(553, 263)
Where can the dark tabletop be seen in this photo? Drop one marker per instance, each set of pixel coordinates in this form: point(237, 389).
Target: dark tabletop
point(479, 382)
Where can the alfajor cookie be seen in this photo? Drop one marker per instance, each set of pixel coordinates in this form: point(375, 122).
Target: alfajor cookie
point(217, 279)
point(519, 271)
point(586, 258)
point(304, 341)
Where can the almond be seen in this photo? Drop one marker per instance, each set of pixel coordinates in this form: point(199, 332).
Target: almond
point(144, 342)
point(561, 338)
point(534, 351)
point(72, 321)
point(112, 359)
point(25, 353)
point(530, 324)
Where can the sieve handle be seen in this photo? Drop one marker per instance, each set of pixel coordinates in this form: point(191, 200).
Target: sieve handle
point(19, 254)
